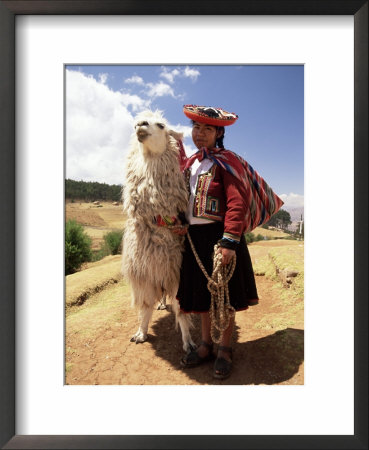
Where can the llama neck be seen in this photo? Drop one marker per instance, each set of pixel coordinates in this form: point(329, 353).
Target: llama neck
point(151, 151)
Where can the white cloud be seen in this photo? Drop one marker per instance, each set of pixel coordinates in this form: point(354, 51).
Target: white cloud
point(292, 200)
point(159, 89)
point(187, 72)
point(135, 102)
point(169, 75)
point(186, 130)
point(99, 125)
point(189, 147)
point(103, 77)
point(153, 90)
point(135, 79)
point(191, 73)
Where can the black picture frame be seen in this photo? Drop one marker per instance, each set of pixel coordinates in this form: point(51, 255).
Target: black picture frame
point(8, 12)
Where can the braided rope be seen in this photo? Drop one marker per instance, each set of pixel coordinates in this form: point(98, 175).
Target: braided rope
point(221, 310)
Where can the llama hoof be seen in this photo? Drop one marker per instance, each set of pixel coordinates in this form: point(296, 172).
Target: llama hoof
point(189, 347)
point(192, 347)
point(138, 338)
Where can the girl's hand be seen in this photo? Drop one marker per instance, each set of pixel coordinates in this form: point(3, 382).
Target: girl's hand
point(227, 255)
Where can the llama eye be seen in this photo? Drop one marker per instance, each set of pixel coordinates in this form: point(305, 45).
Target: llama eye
point(141, 124)
point(160, 125)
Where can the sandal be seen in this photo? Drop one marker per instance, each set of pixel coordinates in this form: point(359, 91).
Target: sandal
point(193, 359)
point(223, 367)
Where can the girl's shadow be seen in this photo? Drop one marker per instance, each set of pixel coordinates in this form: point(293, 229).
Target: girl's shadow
point(269, 360)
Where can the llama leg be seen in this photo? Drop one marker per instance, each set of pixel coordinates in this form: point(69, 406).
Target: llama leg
point(185, 323)
point(145, 316)
point(144, 297)
point(163, 302)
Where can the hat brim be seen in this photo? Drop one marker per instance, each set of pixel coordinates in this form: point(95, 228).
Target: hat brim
point(215, 121)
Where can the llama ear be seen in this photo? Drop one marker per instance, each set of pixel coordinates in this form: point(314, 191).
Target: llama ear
point(177, 136)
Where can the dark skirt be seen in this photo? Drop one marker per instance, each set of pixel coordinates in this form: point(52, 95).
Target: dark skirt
point(193, 294)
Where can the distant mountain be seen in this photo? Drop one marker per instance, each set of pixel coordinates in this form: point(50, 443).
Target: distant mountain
point(295, 213)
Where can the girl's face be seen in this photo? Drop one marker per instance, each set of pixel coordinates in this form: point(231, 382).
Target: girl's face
point(204, 135)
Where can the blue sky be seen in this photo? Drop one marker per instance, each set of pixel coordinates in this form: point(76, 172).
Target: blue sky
point(101, 102)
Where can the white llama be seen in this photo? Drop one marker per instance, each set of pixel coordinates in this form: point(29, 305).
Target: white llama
point(152, 254)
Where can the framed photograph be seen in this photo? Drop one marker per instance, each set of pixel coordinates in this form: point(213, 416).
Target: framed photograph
point(269, 100)
point(38, 41)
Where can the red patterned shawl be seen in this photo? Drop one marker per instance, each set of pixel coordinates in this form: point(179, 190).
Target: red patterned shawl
point(262, 201)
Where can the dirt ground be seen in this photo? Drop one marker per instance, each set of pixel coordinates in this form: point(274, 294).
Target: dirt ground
point(268, 341)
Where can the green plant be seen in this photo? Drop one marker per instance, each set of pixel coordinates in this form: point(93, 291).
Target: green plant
point(113, 240)
point(250, 237)
point(103, 251)
point(77, 247)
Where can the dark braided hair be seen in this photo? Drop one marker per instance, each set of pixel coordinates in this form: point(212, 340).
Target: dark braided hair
point(219, 141)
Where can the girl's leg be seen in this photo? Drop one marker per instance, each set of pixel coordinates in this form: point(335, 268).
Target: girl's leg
point(227, 340)
point(204, 351)
point(205, 334)
point(223, 363)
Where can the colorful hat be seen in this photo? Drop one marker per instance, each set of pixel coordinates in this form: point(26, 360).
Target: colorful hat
point(212, 116)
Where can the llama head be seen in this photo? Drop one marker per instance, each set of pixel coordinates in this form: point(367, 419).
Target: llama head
point(152, 132)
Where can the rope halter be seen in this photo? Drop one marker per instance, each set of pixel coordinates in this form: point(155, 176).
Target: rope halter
point(221, 310)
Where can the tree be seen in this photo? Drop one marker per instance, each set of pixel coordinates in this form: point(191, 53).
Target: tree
point(114, 241)
point(280, 219)
point(77, 247)
point(91, 191)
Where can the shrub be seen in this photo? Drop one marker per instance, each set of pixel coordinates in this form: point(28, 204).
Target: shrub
point(77, 247)
point(250, 237)
point(114, 241)
point(259, 237)
point(103, 251)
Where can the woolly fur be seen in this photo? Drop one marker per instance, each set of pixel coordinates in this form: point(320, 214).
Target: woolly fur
point(154, 186)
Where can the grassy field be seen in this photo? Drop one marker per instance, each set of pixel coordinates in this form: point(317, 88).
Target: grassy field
point(270, 234)
point(275, 259)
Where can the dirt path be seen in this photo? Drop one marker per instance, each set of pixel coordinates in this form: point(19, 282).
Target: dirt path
point(268, 343)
